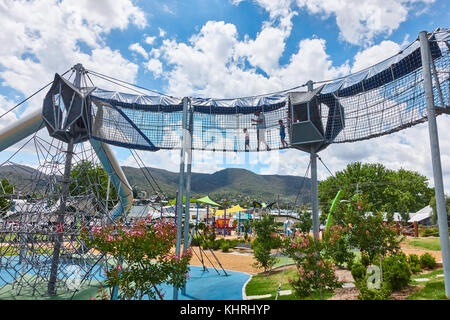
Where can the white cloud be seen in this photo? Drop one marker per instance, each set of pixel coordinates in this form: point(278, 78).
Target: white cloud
point(50, 38)
point(155, 66)
point(359, 21)
point(136, 47)
point(166, 9)
point(150, 40)
point(213, 62)
point(9, 117)
point(162, 32)
point(375, 54)
point(266, 50)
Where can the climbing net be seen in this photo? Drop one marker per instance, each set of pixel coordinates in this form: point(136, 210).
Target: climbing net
point(42, 252)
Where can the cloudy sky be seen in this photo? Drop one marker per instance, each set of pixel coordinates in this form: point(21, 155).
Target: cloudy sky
point(221, 48)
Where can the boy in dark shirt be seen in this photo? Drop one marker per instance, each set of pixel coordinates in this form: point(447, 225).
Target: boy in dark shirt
point(283, 134)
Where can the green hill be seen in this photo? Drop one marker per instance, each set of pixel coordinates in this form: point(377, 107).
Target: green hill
point(231, 183)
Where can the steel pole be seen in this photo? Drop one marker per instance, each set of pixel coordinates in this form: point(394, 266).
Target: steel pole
point(180, 189)
point(188, 145)
point(62, 206)
point(436, 159)
point(314, 194)
point(314, 185)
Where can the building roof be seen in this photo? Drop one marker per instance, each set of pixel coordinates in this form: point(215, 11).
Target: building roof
point(421, 215)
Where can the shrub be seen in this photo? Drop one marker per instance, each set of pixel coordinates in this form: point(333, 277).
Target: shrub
point(427, 232)
point(358, 271)
point(261, 252)
point(365, 259)
point(225, 246)
point(384, 293)
point(315, 274)
point(266, 240)
point(414, 263)
point(396, 271)
point(427, 261)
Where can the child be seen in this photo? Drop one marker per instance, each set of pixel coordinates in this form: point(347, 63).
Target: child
point(247, 140)
point(283, 134)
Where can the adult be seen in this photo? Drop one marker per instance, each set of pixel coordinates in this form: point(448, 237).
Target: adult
point(260, 128)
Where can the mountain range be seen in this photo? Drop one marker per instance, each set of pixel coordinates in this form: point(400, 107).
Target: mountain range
point(231, 183)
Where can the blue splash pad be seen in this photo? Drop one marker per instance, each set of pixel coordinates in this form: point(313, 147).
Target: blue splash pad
point(208, 285)
point(13, 269)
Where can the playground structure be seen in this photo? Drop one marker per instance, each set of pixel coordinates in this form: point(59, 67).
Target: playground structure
point(83, 121)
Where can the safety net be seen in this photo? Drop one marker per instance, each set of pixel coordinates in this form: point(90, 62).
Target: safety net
point(376, 101)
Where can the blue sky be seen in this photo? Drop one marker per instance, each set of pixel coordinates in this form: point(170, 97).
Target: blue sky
point(218, 48)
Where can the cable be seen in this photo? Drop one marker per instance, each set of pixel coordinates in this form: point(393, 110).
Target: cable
point(29, 97)
point(326, 166)
point(303, 182)
point(103, 76)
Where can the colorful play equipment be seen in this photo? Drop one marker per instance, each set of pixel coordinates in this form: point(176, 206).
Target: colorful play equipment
point(82, 121)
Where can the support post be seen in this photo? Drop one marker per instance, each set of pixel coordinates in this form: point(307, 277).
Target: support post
point(314, 194)
point(180, 188)
point(188, 145)
point(51, 288)
point(436, 159)
point(60, 220)
point(314, 184)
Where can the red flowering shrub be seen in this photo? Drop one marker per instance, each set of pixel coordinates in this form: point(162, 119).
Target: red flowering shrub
point(315, 273)
point(140, 257)
point(337, 247)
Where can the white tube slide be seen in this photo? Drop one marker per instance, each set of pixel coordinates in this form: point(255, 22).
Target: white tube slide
point(118, 178)
point(21, 129)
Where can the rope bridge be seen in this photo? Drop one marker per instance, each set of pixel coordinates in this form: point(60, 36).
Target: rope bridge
point(376, 101)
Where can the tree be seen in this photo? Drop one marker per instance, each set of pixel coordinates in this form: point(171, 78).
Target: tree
point(305, 221)
point(365, 230)
point(89, 178)
point(266, 240)
point(384, 190)
point(434, 219)
point(5, 189)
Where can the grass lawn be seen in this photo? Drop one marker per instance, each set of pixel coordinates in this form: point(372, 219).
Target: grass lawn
point(280, 261)
point(263, 284)
point(427, 243)
point(434, 289)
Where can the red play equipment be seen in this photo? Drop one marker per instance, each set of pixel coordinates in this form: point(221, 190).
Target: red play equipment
point(221, 228)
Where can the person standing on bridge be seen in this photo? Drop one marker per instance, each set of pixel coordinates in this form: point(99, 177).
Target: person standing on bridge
point(247, 140)
point(260, 128)
point(283, 134)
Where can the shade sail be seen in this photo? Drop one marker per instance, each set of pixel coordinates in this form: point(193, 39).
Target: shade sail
point(207, 200)
point(236, 208)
